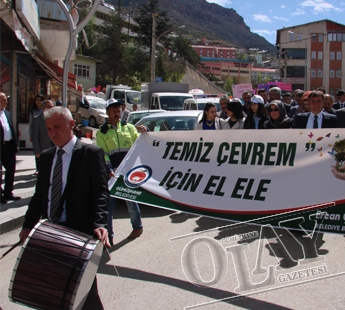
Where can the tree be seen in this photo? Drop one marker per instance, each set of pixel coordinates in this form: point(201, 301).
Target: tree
point(182, 47)
point(144, 21)
point(114, 55)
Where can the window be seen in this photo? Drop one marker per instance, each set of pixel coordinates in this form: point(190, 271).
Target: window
point(295, 53)
point(338, 75)
point(331, 55)
point(295, 71)
point(320, 37)
point(313, 55)
point(339, 37)
point(338, 55)
point(319, 55)
point(292, 37)
point(313, 73)
point(313, 37)
point(299, 37)
point(319, 73)
point(82, 71)
point(331, 74)
point(331, 91)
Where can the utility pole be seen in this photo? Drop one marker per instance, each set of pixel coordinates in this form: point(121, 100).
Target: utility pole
point(153, 46)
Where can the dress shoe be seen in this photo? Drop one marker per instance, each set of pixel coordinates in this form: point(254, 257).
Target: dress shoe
point(135, 233)
point(12, 197)
point(3, 200)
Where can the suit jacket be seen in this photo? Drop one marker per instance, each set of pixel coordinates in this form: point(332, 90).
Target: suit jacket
point(14, 134)
point(86, 192)
point(341, 117)
point(328, 120)
point(39, 135)
point(336, 105)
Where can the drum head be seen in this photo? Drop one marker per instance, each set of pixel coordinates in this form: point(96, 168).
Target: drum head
point(55, 268)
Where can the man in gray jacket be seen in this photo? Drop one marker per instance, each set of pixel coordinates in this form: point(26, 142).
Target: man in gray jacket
point(39, 133)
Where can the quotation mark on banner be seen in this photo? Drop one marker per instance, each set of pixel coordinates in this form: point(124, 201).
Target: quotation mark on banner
point(155, 143)
point(310, 145)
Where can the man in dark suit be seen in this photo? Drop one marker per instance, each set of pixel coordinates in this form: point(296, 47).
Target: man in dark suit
point(341, 103)
point(341, 117)
point(316, 118)
point(84, 195)
point(9, 148)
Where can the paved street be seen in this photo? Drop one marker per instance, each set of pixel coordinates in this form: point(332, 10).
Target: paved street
point(151, 272)
point(151, 277)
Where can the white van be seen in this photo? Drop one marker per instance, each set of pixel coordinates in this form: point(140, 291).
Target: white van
point(199, 103)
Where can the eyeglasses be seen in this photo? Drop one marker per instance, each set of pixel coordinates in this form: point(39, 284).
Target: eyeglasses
point(274, 110)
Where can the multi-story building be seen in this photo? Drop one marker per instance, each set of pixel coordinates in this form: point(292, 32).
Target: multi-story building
point(37, 43)
point(263, 75)
point(215, 51)
point(223, 68)
point(313, 55)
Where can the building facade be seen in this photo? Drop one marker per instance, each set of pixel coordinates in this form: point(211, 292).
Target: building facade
point(312, 55)
point(239, 70)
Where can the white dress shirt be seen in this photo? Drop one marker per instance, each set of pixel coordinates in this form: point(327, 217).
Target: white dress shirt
point(5, 126)
point(66, 160)
point(310, 123)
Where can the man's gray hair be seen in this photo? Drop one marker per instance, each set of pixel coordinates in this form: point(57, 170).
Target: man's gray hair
point(224, 97)
point(277, 90)
point(44, 103)
point(58, 110)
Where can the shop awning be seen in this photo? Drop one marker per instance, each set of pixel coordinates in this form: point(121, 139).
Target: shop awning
point(56, 72)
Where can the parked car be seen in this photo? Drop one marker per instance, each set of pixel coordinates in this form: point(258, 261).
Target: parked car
point(93, 109)
point(136, 116)
point(199, 103)
point(178, 120)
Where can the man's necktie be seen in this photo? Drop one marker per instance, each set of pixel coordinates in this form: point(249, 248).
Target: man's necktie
point(316, 124)
point(56, 191)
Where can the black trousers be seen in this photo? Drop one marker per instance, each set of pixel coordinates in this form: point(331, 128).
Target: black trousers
point(8, 160)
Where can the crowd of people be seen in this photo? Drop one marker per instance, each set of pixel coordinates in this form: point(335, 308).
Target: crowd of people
point(84, 205)
point(274, 109)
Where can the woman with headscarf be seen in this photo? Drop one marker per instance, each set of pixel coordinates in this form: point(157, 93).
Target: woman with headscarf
point(210, 120)
point(235, 115)
point(277, 117)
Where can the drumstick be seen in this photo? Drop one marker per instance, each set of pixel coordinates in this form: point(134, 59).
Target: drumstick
point(12, 248)
point(110, 258)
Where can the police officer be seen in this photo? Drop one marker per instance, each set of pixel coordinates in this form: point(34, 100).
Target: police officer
point(116, 137)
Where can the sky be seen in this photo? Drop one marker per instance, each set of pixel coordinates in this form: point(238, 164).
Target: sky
point(265, 17)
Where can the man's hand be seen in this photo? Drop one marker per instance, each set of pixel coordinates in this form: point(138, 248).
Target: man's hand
point(24, 234)
point(111, 175)
point(102, 235)
point(141, 128)
point(339, 175)
point(38, 155)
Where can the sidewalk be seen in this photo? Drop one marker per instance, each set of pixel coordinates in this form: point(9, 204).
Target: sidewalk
point(12, 213)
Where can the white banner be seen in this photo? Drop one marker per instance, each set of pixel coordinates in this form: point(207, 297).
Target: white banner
point(249, 172)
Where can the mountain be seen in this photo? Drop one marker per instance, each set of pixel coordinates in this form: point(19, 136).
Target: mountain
point(203, 19)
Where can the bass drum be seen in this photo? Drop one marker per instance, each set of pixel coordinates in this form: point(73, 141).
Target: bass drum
point(55, 268)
